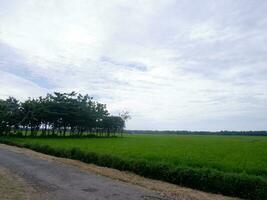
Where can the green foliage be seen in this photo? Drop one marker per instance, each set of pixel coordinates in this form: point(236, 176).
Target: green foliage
point(234, 166)
point(9, 114)
point(184, 132)
point(57, 113)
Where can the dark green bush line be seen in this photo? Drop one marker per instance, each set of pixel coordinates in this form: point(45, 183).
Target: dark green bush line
point(222, 133)
point(210, 180)
point(56, 136)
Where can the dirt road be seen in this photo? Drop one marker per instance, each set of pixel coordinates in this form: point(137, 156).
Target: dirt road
point(46, 177)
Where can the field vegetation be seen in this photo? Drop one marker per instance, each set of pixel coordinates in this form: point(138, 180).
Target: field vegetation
point(231, 165)
point(75, 126)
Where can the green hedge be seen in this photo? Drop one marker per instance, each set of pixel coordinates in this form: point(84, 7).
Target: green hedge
point(210, 180)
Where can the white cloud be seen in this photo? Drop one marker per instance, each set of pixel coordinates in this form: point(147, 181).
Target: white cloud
point(203, 32)
point(18, 87)
point(172, 64)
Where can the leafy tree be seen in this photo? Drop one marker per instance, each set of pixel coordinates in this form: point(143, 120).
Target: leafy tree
point(59, 113)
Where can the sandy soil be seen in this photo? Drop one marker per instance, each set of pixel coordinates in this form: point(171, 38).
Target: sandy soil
point(13, 187)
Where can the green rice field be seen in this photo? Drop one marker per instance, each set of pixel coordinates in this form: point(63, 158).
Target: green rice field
point(226, 153)
point(230, 165)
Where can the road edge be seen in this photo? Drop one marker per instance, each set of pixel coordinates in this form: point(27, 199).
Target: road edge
point(163, 188)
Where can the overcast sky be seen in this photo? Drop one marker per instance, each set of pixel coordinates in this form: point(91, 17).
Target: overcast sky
point(174, 64)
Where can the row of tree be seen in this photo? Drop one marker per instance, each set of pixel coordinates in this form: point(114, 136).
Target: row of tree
point(184, 132)
point(58, 114)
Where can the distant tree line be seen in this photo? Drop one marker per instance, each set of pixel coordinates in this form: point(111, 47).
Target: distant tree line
point(244, 133)
point(58, 114)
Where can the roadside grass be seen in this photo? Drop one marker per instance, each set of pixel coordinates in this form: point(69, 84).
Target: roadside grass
point(231, 165)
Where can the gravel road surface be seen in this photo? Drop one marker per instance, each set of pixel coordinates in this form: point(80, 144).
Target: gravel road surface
point(29, 175)
point(58, 181)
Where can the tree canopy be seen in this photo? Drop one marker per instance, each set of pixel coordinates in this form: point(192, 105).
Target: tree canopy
point(58, 114)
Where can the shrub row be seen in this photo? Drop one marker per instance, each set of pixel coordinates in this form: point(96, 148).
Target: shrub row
point(210, 180)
